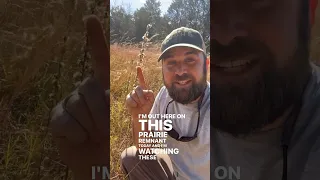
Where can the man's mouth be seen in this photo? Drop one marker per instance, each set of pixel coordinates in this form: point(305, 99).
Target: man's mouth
point(183, 83)
point(240, 65)
point(233, 64)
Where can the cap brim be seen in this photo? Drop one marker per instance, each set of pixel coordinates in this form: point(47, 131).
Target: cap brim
point(179, 45)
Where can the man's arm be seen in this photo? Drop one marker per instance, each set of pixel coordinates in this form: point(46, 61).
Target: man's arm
point(139, 101)
point(137, 126)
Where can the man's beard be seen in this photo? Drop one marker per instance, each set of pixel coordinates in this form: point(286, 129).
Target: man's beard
point(186, 95)
point(243, 109)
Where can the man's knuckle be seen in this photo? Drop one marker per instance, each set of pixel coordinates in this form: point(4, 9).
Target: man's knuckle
point(57, 113)
point(133, 94)
point(139, 88)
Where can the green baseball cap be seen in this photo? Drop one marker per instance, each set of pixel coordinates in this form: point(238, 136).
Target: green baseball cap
point(185, 37)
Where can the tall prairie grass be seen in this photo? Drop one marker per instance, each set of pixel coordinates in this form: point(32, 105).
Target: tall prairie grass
point(41, 61)
point(123, 62)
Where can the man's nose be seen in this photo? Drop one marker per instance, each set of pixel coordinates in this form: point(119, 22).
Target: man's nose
point(229, 24)
point(181, 69)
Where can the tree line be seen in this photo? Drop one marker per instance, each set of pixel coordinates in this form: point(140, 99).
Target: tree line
point(130, 27)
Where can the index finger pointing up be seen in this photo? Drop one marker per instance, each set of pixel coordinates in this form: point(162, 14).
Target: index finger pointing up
point(99, 50)
point(141, 80)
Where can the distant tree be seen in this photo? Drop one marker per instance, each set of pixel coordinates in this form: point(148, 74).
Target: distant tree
point(190, 13)
point(164, 27)
point(121, 24)
point(153, 8)
point(150, 13)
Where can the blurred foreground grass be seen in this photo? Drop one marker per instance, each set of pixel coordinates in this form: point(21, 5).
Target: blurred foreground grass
point(42, 59)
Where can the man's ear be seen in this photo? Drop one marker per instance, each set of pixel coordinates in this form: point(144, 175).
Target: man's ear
point(208, 62)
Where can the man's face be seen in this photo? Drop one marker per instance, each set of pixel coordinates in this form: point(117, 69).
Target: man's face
point(259, 61)
point(184, 73)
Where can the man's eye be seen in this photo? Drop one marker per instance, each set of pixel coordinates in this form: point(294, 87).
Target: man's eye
point(189, 60)
point(171, 63)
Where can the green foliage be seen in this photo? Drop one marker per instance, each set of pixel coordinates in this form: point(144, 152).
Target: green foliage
point(191, 13)
point(131, 27)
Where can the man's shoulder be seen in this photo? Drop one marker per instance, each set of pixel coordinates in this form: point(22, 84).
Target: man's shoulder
point(315, 70)
point(312, 120)
point(310, 111)
point(312, 92)
point(163, 91)
point(162, 95)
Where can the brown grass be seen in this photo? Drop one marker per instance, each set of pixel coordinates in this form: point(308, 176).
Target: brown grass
point(123, 72)
point(41, 56)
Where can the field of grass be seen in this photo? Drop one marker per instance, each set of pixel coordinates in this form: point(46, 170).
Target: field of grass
point(123, 62)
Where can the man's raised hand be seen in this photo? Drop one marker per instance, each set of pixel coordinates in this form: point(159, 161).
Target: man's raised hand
point(80, 124)
point(141, 99)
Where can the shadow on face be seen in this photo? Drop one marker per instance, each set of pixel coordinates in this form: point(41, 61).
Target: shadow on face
point(260, 64)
